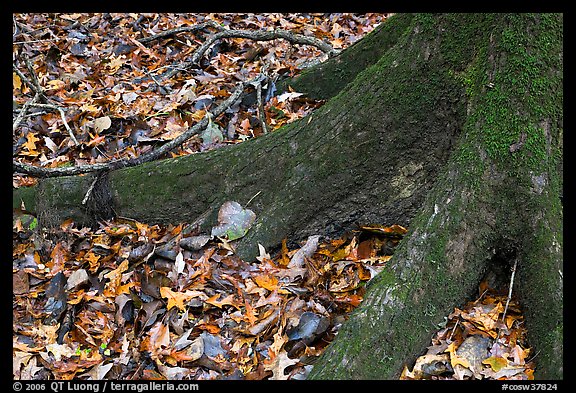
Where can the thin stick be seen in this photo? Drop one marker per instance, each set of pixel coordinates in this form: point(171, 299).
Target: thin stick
point(62, 116)
point(261, 112)
point(510, 289)
point(39, 88)
point(33, 41)
point(23, 111)
point(34, 170)
point(89, 191)
point(24, 79)
point(454, 329)
point(255, 195)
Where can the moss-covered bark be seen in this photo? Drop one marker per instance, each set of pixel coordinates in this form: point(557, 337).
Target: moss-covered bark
point(498, 196)
point(456, 131)
point(365, 156)
point(329, 78)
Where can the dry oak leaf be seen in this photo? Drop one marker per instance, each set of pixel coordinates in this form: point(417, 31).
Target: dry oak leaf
point(266, 281)
point(455, 359)
point(278, 364)
point(179, 299)
point(229, 300)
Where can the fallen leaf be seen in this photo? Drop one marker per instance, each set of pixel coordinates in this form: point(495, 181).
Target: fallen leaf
point(102, 123)
point(16, 82)
point(496, 363)
point(98, 372)
point(179, 299)
point(228, 300)
point(20, 282)
point(279, 364)
point(263, 254)
point(233, 221)
point(306, 251)
point(30, 143)
point(266, 281)
point(212, 134)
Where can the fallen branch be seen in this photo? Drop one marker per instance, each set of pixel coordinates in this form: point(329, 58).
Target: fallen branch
point(23, 111)
point(258, 35)
point(25, 79)
point(261, 113)
point(37, 88)
point(178, 30)
point(36, 171)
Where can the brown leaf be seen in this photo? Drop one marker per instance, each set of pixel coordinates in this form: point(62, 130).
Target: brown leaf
point(278, 365)
point(101, 124)
point(266, 281)
point(179, 299)
point(20, 283)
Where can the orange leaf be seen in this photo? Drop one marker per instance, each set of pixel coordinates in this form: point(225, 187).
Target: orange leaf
point(249, 315)
point(285, 259)
point(266, 281)
point(57, 259)
point(179, 299)
point(210, 328)
point(30, 143)
point(115, 277)
point(228, 300)
point(354, 300)
point(16, 82)
point(96, 141)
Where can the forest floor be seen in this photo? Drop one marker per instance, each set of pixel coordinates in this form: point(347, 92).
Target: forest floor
point(128, 300)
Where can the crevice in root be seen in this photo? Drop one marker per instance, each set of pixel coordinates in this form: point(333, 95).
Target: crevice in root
point(98, 200)
point(486, 337)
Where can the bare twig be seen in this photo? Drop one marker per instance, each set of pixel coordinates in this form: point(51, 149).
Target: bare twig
point(510, 289)
point(251, 199)
point(36, 171)
point(258, 35)
point(15, 28)
point(24, 78)
point(23, 111)
point(89, 191)
point(37, 113)
point(35, 81)
point(261, 112)
point(454, 329)
point(183, 29)
point(62, 115)
point(33, 41)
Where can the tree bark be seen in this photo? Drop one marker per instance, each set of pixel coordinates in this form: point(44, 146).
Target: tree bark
point(454, 129)
point(496, 201)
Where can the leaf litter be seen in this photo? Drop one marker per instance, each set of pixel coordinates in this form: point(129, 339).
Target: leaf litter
point(479, 341)
point(207, 314)
point(87, 304)
point(136, 301)
point(105, 71)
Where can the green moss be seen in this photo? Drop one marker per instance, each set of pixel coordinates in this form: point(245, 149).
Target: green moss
point(26, 195)
point(328, 79)
point(522, 79)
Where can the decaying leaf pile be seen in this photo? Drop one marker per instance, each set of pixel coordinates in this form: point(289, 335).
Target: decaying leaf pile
point(484, 340)
point(129, 300)
point(116, 86)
